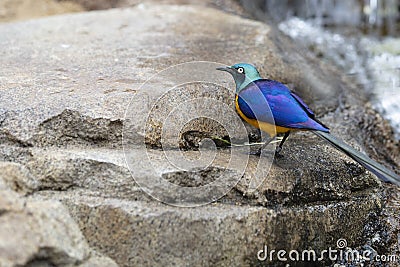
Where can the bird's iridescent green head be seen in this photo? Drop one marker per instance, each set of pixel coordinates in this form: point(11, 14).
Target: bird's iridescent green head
point(243, 74)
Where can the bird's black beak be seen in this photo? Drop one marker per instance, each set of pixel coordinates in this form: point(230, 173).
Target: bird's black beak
point(227, 69)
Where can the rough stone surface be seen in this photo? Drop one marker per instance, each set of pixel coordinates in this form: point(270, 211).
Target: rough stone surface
point(225, 5)
point(41, 233)
point(11, 10)
point(66, 83)
point(150, 234)
point(95, 93)
point(16, 177)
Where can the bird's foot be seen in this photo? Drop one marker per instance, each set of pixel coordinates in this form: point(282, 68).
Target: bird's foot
point(277, 152)
point(255, 153)
point(258, 152)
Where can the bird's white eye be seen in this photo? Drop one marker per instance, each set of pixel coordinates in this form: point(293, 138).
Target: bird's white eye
point(240, 70)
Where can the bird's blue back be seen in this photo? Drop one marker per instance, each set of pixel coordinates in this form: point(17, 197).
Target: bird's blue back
point(288, 109)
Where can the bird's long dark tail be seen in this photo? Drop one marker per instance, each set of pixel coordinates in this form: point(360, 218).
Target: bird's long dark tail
point(374, 167)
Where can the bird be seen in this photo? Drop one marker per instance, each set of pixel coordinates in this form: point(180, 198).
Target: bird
point(273, 108)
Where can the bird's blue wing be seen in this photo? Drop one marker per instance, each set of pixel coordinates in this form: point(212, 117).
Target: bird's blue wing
point(284, 110)
point(304, 105)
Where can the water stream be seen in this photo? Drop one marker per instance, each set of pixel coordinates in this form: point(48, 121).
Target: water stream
point(362, 37)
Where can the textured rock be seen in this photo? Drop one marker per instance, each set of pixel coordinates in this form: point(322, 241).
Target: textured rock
point(103, 172)
point(40, 233)
point(11, 10)
point(95, 93)
point(67, 82)
point(150, 234)
point(16, 177)
point(225, 5)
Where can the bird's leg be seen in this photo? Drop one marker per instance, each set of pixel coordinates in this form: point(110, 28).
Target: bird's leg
point(258, 152)
point(279, 148)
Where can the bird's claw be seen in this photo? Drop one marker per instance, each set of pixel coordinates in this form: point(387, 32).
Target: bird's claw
point(255, 153)
point(277, 152)
point(258, 152)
